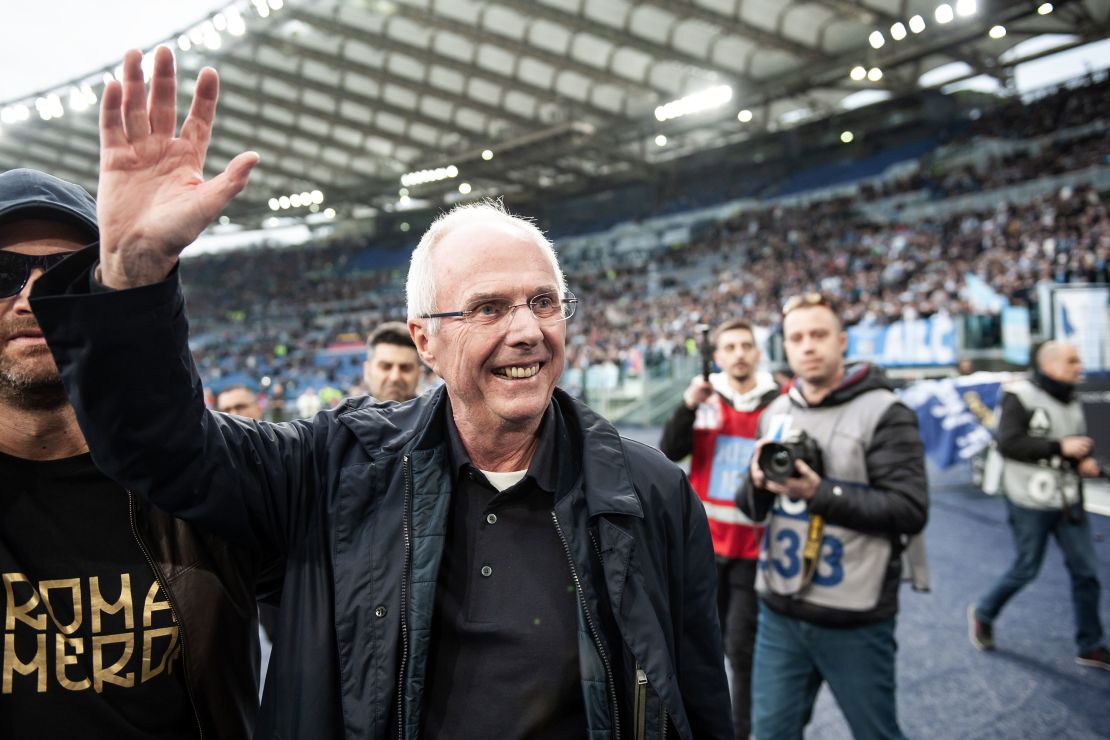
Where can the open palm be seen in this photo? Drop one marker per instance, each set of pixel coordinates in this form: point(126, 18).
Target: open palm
point(152, 200)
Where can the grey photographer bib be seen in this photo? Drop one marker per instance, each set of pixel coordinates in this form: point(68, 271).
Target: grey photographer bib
point(1043, 486)
point(852, 565)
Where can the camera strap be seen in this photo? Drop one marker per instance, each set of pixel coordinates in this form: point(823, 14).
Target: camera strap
point(811, 552)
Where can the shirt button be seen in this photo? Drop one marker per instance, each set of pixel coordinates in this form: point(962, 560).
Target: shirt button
point(380, 612)
point(487, 571)
point(491, 518)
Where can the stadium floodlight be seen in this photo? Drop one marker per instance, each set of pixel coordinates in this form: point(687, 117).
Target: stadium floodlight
point(965, 8)
point(284, 201)
point(858, 73)
point(329, 213)
point(317, 197)
point(1045, 8)
point(874, 74)
point(487, 154)
point(464, 188)
point(744, 116)
point(15, 113)
point(405, 226)
point(403, 191)
point(898, 31)
point(212, 40)
point(184, 43)
point(274, 204)
point(225, 220)
point(847, 137)
point(917, 24)
point(235, 24)
point(997, 32)
point(661, 140)
point(276, 4)
point(81, 98)
point(876, 39)
point(295, 200)
point(49, 107)
point(219, 22)
point(196, 36)
point(944, 14)
point(422, 177)
point(703, 100)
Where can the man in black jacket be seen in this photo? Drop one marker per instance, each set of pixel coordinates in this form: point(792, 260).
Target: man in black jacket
point(119, 620)
point(1042, 436)
point(490, 560)
point(836, 525)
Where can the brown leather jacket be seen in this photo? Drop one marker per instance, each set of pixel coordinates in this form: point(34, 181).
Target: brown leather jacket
point(211, 587)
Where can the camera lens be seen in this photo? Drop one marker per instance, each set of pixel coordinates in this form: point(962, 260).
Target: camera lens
point(782, 464)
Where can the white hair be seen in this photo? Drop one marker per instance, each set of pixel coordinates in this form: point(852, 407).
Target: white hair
point(420, 287)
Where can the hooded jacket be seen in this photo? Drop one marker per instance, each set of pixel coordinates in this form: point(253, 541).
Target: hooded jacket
point(210, 585)
point(358, 498)
point(872, 495)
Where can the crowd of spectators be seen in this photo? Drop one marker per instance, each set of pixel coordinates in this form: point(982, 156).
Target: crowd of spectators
point(269, 312)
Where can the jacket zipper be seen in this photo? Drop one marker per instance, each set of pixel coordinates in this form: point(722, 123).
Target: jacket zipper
point(173, 606)
point(641, 702)
point(404, 599)
point(593, 630)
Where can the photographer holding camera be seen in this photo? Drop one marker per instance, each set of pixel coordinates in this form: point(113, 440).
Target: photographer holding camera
point(716, 425)
point(1046, 453)
point(838, 477)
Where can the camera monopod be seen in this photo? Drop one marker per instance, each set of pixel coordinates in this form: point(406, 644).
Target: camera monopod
point(706, 351)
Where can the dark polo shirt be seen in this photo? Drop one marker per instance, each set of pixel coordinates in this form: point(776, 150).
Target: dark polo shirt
point(504, 658)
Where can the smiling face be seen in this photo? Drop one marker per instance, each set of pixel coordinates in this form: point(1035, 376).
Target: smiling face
point(499, 377)
point(28, 375)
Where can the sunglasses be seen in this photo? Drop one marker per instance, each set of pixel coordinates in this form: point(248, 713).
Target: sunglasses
point(806, 300)
point(16, 268)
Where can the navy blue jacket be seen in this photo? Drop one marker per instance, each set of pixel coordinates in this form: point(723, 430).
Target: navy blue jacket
point(358, 500)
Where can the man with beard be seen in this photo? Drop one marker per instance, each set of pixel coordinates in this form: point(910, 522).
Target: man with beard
point(716, 424)
point(837, 523)
point(101, 590)
point(392, 368)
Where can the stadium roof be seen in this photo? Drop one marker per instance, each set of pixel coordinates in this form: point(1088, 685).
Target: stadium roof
point(348, 97)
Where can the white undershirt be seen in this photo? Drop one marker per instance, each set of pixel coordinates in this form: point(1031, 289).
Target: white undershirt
point(501, 481)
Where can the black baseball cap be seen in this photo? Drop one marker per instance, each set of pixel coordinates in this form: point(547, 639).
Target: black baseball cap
point(30, 194)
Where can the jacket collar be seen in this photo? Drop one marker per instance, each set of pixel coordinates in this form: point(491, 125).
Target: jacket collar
point(389, 428)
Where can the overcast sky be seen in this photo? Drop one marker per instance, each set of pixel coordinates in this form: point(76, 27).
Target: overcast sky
point(47, 42)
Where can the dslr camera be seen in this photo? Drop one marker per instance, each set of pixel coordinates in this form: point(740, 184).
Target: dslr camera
point(776, 459)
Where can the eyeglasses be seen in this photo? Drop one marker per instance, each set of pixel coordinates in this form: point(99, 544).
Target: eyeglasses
point(806, 300)
point(16, 268)
point(548, 308)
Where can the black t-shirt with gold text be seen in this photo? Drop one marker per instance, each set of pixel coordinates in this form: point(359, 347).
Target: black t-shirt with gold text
point(91, 647)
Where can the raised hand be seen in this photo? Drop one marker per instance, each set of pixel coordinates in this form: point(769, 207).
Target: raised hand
point(153, 201)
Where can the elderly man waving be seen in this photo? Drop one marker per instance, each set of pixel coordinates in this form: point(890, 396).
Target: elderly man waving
point(488, 560)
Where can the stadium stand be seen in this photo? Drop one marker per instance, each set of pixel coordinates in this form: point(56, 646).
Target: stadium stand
point(297, 315)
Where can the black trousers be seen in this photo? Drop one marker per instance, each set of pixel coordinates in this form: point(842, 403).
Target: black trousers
point(738, 610)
